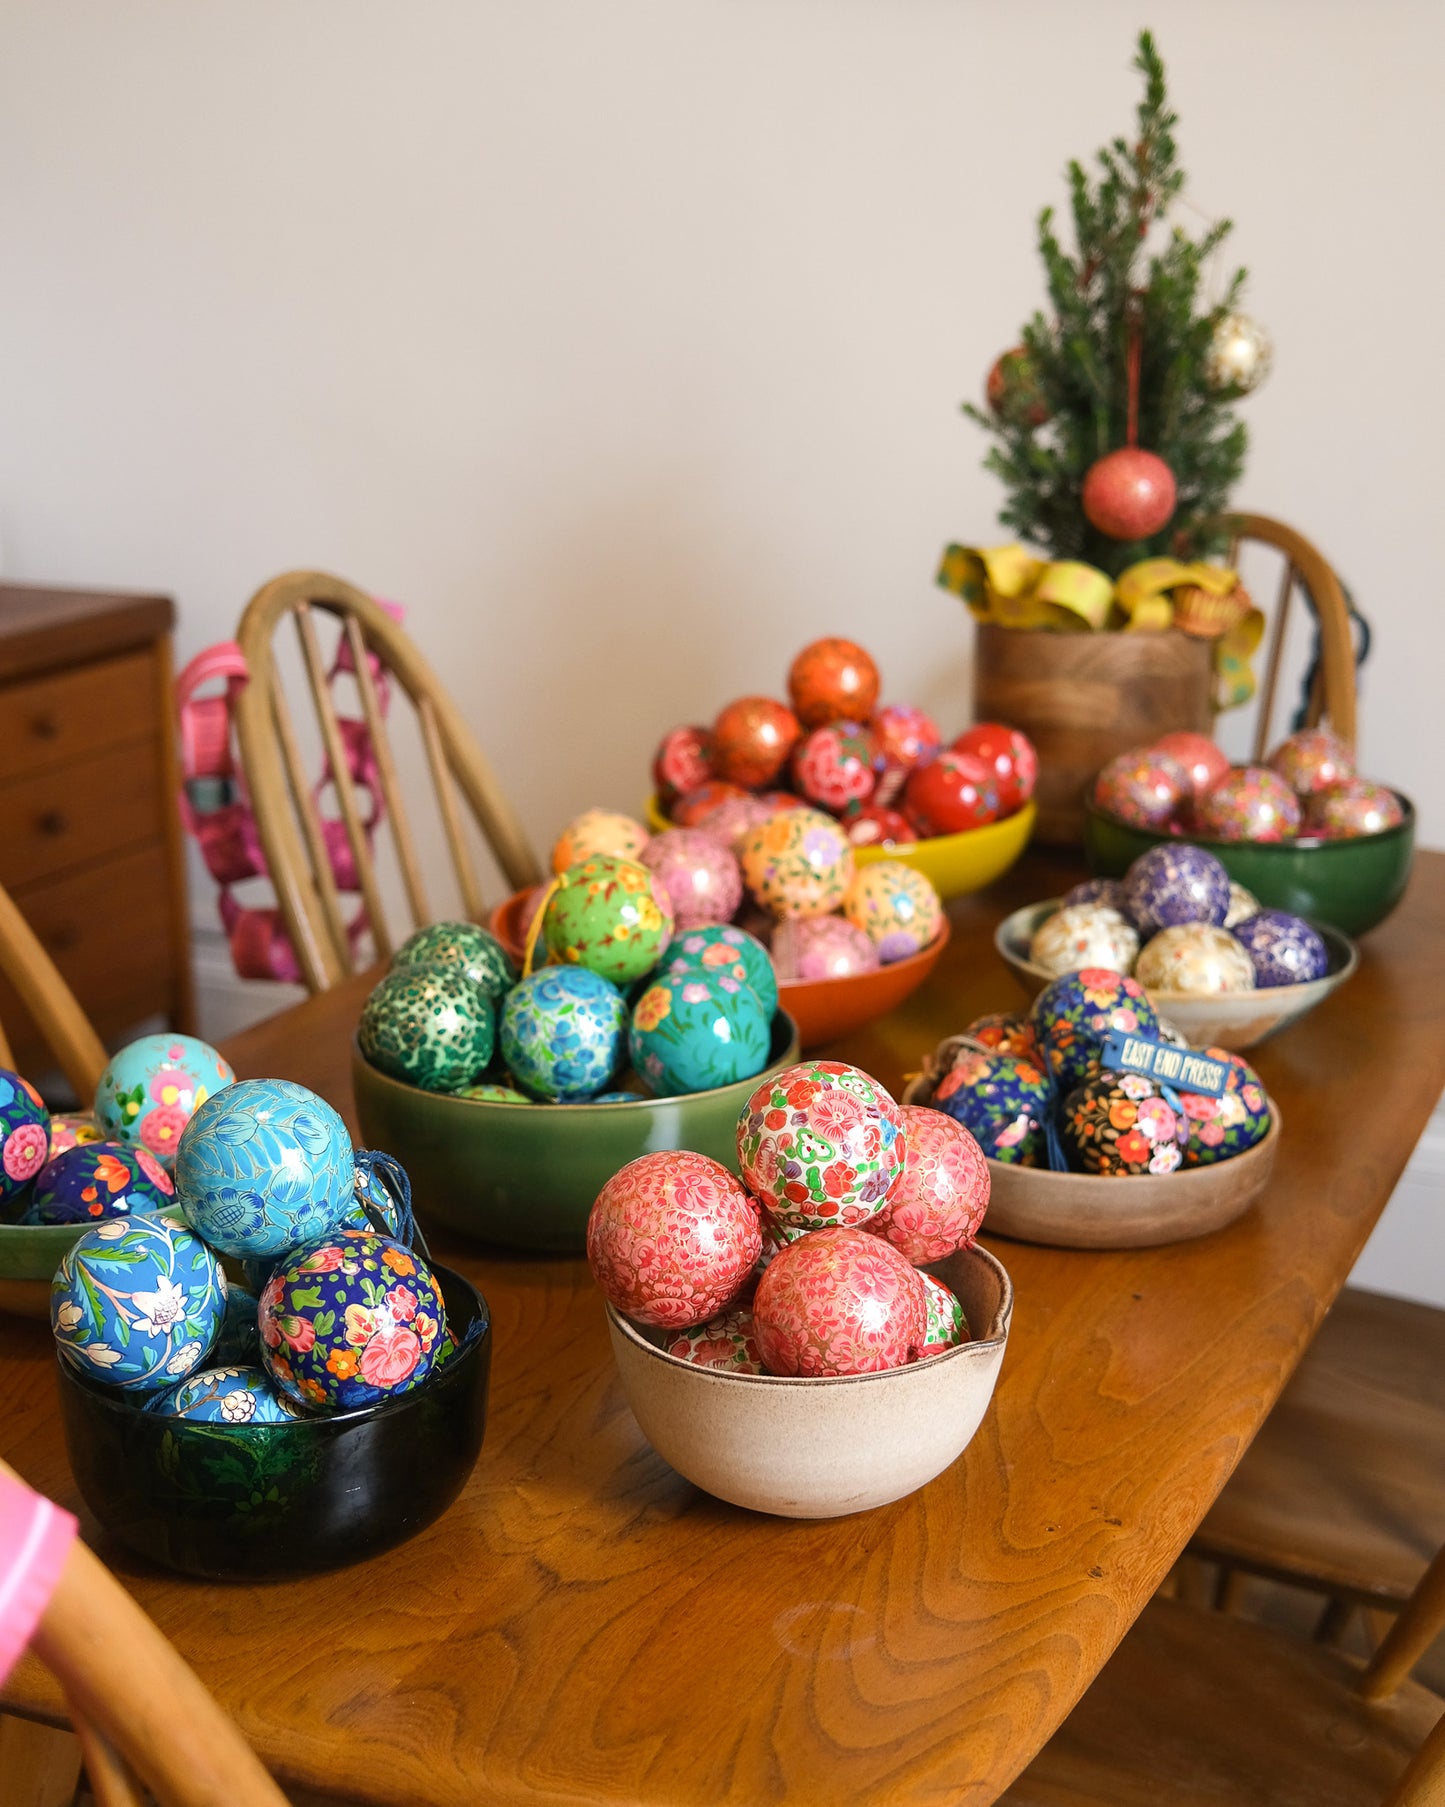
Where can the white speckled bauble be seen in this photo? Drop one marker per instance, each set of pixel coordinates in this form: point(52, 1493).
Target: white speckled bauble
point(1195, 956)
point(1088, 934)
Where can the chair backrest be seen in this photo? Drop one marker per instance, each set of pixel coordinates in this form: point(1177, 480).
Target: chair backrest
point(292, 831)
point(50, 1001)
point(1420, 1621)
point(1332, 694)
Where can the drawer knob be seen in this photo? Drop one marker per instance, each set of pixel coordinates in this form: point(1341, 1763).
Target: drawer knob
point(44, 727)
point(54, 821)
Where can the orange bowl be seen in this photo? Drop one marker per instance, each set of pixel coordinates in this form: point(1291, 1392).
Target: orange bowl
point(505, 922)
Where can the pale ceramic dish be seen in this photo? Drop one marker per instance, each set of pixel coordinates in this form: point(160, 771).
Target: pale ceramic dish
point(822, 1448)
point(1235, 1020)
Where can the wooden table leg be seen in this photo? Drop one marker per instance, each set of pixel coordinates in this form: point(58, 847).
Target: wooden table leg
point(39, 1766)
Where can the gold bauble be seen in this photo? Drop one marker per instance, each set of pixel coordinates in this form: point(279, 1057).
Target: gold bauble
point(1239, 355)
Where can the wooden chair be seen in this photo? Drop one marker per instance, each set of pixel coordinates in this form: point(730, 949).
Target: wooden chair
point(1197, 1709)
point(281, 787)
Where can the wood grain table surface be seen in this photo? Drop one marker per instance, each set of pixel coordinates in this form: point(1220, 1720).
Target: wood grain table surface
point(584, 1626)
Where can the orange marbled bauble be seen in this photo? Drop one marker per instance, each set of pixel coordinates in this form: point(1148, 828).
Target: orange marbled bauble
point(833, 681)
point(753, 739)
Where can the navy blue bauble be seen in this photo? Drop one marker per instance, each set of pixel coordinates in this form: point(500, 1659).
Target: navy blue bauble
point(96, 1180)
point(1002, 1100)
point(1285, 950)
point(1074, 1016)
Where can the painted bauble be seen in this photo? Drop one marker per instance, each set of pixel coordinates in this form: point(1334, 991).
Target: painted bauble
point(428, 1026)
point(1222, 1127)
point(682, 762)
point(490, 1093)
point(609, 916)
point(695, 1030)
point(150, 1089)
point(1242, 903)
point(896, 907)
point(564, 1032)
point(938, 1201)
point(238, 1342)
point(875, 825)
point(1121, 1123)
point(1250, 803)
point(228, 1395)
point(821, 947)
point(137, 1303)
point(725, 948)
point(1311, 760)
point(903, 737)
point(1006, 1032)
point(833, 766)
point(1239, 355)
point(839, 1302)
point(951, 794)
point(598, 832)
point(1084, 935)
point(947, 1325)
point(778, 803)
point(672, 1238)
point(798, 864)
point(1203, 759)
point(1106, 891)
point(833, 680)
point(730, 817)
point(613, 1098)
point(1285, 949)
point(1353, 807)
point(24, 1133)
point(350, 1320)
point(819, 1143)
point(1143, 788)
point(1002, 1100)
point(1012, 389)
point(98, 1180)
point(693, 807)
point(729, 1342)
point(1074, 1015)
point(73, 1129)
point(753, 740)
point(698, 873)
point(1009, 757)
point(1195, 957)
point(1176, 882)
point(1129, 494)
point(477, 955)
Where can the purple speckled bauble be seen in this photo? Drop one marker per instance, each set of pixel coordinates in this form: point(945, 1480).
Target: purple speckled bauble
point(821, 947)
point(1175, 883)
point(1106, 891)
point(1284, 948)
point(1251, 803)
point(1142, 788)
point(699, 873)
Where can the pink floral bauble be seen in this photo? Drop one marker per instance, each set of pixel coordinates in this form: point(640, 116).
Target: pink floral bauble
point(682, 762)
point(1353, 807)
point(819, 1143)
point(947, 1324)
point(730, 816)
point(1143, 788)
point(1312, 760)
point(833, 766)
point(672, 1238)
point(1251, 803)
point(729, 1342)
point(1204, 760)
point(840, 1302)
point(939, 1200)
point(821, 947)
point(699, 873)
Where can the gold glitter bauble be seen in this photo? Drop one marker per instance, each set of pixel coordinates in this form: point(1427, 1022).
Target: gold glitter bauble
point(1239, 355)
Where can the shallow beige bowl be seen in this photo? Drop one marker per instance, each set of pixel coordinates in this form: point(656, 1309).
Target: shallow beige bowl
point(1235, 1020)
point(822, 1448)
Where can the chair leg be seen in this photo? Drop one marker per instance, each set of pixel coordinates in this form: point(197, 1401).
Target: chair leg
point(39, 1766)
point(1334, 1621)
point(1229, 1590)
point(1195, 1584)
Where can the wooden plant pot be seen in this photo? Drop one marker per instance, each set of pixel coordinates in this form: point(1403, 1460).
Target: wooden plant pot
point(1082, 699)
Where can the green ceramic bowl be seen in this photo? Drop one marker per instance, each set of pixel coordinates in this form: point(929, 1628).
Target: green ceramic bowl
point(1352, 885)
point(526, 1175)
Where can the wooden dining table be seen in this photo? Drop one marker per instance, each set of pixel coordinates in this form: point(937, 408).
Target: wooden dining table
point(583, 1625)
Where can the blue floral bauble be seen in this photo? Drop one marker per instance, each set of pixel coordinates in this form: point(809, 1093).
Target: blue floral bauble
point(1174, 883)
point(241, 1394)
point(264, 1166)
point(563, 1032)
point(150, 1090)
point(137, 1303)
point(722, 948)
point(239, 1343)
point(95, 1180)
point(1285, 949)
point(696, 1029)
point(1220, 1128)
point(24, 1133)
point(615, 1098)
point(1002, 1100)
point(1074, 1015)
point(350, 1320)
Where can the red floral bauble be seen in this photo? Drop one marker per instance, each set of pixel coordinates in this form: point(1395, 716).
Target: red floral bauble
point(1129, 494)
point(1204, 760)
point(752, 740)
point(833, 766)
point(875, 825)
point(1143, 788)
point(1353, 807)
point(682, 762)
point(819, 1144)
point(938, 1201)
point(673, 1238)
point(1008, 755)
point(903, 738)
point(833, 680)
point(1251, 803)
point(839, 1302)
point(951, 793)
point(1311, 760)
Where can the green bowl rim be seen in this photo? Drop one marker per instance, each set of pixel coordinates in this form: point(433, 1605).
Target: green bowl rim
point(1307, 843)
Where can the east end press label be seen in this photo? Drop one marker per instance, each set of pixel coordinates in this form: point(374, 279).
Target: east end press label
point(1182, 1068)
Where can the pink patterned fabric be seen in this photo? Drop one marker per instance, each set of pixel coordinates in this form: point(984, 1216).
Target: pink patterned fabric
point(35, 1539)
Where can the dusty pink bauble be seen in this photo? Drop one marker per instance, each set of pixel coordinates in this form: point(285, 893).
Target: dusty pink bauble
point(672, 1238)
point(1312, 760)
point(731, 815)
point(1128, 494)
point(1203, 759)
point(821, 947)
point(1143, 788)
point(1251, 803)
point(839, 1302)
point(939, 1200)
point(699, 873)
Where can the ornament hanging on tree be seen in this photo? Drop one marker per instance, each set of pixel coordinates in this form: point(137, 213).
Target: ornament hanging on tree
point(1012, 389)
point(1129, 494)
point(1239, 355)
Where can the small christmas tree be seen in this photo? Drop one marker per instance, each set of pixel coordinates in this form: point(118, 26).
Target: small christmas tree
point(1126, 348)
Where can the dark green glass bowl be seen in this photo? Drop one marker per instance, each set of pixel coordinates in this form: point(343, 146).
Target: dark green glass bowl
point(1352, 885)
point(248, 1502)
point(526, 1175)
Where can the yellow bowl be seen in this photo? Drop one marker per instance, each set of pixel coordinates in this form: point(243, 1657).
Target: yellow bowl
point(954, 863)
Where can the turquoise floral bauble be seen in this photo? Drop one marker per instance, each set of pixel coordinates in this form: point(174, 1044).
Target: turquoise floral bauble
point(151, 1089)
point(236, 1395)
point(471, 950)
point(563, 1032)
point(137, 1303)
point(724, 948)
point(263, 1166)
point(95, 1180)
point(428, 1026)
point(24, 1133)
point(696, 1029)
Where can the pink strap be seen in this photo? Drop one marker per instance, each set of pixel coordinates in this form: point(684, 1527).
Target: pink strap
point(35, 1539)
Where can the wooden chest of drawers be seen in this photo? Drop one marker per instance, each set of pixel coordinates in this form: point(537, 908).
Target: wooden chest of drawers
point(90, 841)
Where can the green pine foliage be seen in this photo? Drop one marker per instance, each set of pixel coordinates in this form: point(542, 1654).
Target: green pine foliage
point(1074, 365)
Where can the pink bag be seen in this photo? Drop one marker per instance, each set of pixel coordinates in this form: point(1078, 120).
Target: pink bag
point(35, 1539)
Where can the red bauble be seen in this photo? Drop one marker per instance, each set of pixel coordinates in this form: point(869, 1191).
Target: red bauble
point(1130, 494)
point(1008, 754)
point(752, 739)
point(954, 792)
point(682, 762)
point(833, 680)
point(938, 1201)
point(1205, 761)
point(1012, 390)
point(875, 825)
point(839, 1302)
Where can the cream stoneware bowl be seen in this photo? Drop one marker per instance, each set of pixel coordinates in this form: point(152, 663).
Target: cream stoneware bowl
point(1236, 1020)
point(825, 1447)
